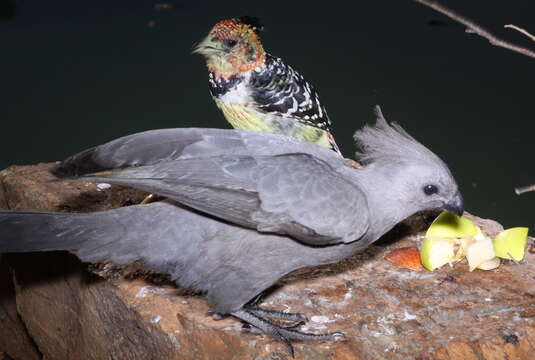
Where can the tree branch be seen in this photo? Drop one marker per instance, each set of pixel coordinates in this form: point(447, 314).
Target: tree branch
point(524, 189)
point(476, 28)
point(520, 30)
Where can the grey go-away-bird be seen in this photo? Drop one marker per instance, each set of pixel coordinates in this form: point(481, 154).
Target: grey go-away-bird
point(243, 209)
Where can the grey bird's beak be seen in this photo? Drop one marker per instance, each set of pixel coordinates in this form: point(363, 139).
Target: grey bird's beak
point(455, 205)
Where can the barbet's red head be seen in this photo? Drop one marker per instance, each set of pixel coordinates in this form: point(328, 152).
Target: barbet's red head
point(233, 47)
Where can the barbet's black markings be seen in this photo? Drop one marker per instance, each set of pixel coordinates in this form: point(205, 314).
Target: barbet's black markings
point(277, 88)
point(219, 86)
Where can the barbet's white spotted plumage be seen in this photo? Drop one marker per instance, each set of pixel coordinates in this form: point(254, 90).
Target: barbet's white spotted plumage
point(257, 91)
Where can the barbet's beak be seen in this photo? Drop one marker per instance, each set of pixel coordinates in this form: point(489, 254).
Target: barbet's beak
point(455, 205)
point(207, 47)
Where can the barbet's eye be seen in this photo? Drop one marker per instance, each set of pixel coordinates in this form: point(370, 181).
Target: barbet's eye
point(430, 189)
point(230, 42)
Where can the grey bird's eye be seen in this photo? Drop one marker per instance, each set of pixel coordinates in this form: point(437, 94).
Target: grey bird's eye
point(230, 42)
point(430, 189)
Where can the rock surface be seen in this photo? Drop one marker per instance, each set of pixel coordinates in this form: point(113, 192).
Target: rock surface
point(55, 307)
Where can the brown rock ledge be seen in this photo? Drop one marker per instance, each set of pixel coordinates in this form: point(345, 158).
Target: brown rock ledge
point(51, 306)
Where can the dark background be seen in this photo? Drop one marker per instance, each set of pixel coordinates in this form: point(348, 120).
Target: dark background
point(78, 73)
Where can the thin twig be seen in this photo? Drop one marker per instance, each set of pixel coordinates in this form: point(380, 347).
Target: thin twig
point(476, 28)
point(524, 189)
point(520, 30)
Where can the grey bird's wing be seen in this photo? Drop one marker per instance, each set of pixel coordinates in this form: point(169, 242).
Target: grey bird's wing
point(293, 194)
point(154, 146)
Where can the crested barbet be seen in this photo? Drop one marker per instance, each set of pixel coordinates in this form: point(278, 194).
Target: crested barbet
point(257, 91)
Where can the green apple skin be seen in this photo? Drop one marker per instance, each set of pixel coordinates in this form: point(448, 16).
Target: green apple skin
point(435, 253)
point(448, 225)
point(511, 243)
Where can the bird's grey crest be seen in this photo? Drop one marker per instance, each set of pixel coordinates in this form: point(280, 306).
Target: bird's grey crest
point(384, 140)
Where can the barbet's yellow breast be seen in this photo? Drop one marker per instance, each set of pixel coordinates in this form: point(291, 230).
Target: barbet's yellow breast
point(244, 117)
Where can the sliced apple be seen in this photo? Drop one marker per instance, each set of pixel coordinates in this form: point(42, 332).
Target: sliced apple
point(479, 252)
point(450, 238)
point(489, 264)
point(479, 234)
point(436, 252)
point(511, 243)
point(463, 245)
point(448, 225)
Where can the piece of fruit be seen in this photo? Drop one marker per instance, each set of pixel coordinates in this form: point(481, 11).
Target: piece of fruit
point(407, 257)
point(448, 225)
point(490, 264)
point(463, 245)
point(511, 243)
point(436, 252)
point(478, 252)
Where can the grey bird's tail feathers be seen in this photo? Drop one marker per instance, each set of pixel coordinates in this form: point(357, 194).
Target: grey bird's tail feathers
point(120, 235)
point(27, 231)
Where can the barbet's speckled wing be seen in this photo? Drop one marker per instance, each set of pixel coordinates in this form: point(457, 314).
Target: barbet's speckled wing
point(289, 104)
point(280, 90)
point(294, 194)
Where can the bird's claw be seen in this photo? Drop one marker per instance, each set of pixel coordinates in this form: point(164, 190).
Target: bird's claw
point(255, 323)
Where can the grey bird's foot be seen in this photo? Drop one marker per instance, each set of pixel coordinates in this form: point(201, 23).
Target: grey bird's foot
point(248, 328)
point(274, 314)
point(280, 333)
